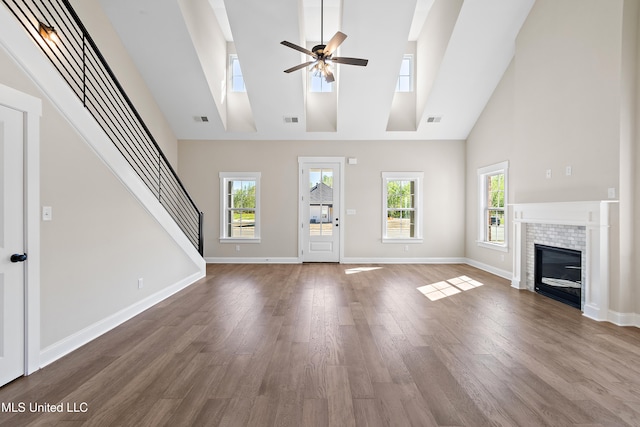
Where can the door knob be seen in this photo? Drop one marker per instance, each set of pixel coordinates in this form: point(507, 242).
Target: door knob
point(18, 257)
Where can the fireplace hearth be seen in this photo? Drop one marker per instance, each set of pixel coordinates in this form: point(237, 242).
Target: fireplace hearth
point(558, 274)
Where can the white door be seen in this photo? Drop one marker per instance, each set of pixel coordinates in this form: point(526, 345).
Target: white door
point(12, 265)
point(320, 211)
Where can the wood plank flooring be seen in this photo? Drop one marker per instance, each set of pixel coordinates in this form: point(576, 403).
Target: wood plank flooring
point(344, 345)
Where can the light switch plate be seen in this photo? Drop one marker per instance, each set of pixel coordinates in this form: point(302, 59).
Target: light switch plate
point(47, 213)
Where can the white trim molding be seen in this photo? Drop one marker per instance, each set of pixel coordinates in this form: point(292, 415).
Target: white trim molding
point(31, 108)
point(505, 274)
point(302, 161)
point(483, 173)
point(417, 178)
point(252, 260)
point(225, 179)
point(594, 216)
point(624, 319)
point(434, 260)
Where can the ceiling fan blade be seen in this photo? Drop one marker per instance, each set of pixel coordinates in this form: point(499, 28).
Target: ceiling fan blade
point(333, 44)
point(351, 61)
point(298, 48)
point(328, 77)
point(299, 67)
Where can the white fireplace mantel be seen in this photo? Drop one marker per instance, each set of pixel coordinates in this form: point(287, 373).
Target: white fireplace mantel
point(594, 216)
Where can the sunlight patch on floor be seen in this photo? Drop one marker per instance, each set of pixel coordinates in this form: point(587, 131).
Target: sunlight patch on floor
point(448, 287)
point(356, 270)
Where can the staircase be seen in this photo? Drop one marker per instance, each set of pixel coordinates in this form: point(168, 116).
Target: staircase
point(57, 31)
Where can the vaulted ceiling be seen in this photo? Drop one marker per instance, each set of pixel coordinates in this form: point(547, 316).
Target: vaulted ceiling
point(461, 49)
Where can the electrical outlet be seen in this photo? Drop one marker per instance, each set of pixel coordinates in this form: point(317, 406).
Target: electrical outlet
point(548, 173)
point(567, 171)
point(237, 248)
point(611, 193)
point(140, 283)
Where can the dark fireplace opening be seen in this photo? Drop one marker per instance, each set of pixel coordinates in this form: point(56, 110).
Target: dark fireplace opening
point(558, 274)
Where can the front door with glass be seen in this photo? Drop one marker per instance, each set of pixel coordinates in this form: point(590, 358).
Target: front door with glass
point(320, 211)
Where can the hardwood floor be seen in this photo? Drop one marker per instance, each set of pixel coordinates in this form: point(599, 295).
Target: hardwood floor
point(343, 345)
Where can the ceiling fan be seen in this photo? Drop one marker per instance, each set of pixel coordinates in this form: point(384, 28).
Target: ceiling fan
point(323, 54)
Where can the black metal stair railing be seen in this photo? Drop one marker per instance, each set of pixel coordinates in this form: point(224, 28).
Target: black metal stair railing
point(78, 60)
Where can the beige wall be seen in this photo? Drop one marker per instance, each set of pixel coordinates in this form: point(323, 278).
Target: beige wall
point(564, 102)
point(101, 240)
point(491, 141)
point(567, 101)
point(441, 161)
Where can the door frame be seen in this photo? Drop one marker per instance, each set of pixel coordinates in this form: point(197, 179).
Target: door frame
point(302, 160)
point(31, 109)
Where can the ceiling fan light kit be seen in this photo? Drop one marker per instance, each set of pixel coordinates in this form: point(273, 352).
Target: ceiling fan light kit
point(323, 54)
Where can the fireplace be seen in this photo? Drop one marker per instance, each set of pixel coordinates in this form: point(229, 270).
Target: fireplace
point(558, 274)
point(593, 218)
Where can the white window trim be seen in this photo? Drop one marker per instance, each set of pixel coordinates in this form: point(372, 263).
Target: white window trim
point(408, 176)
point(237, 176)
point(502, 167)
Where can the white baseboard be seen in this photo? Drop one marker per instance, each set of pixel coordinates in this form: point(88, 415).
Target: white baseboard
point(67, 345)
point(252, 260)
point(292, 260)
point(505, 274)
point(595, 313)
point(624, 319)
point(354, 260)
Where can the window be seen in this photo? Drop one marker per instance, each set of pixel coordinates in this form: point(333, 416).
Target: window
point(405, 77)
point(240, 207)
point(318, 83)
point(492, 193)
point(402, 207)
point(237, 81)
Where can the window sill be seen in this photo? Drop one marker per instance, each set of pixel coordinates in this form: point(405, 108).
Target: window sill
point(405, 241)
point(236, 240)
point(494, 246)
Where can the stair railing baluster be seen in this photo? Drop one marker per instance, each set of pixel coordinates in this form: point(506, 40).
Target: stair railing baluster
point(100, 92)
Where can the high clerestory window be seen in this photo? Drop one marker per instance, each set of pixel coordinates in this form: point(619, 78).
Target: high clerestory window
point(405, 77)
point(317, 83)
point(237, 81)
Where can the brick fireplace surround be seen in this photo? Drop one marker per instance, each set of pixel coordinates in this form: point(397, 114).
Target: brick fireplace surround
point(583, 226)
